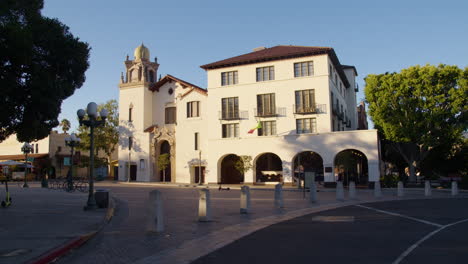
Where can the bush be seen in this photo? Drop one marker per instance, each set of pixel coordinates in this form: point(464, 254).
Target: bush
point(389, 180)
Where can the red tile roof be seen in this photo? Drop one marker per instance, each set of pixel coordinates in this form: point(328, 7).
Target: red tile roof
point(169, 78)
point(279, 53)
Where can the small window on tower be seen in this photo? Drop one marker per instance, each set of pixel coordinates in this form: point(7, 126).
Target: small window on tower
point(130, 114)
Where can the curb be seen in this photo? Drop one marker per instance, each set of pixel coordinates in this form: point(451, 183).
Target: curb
point(60, 251)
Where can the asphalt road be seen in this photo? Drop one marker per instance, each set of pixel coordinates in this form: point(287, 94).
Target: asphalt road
point(409, 231)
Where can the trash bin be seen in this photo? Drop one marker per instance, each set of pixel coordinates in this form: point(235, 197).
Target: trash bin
point(102, 198)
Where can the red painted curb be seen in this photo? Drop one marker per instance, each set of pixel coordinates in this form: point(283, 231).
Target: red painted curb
point(60, 251)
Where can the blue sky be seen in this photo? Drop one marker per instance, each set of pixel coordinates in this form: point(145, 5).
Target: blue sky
point(375, 36)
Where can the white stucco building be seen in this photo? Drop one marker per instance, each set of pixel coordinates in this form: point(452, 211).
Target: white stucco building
point(301, 99)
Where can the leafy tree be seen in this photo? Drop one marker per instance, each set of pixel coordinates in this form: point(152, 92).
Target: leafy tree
point(243, 164)
point(65, 124)
point(105, 137)
point(41, 64)
point(162, 163)
point(419, 109)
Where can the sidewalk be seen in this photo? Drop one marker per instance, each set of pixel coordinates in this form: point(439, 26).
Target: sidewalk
point(40, 221)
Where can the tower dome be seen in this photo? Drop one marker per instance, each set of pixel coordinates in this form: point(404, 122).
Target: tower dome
point(141, 52)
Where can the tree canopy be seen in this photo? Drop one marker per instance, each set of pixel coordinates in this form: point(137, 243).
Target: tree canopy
point(419, 109)
point(41, 64)
point(65, 124)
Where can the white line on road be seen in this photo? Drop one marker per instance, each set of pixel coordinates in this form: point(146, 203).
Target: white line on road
point(400, 215)
point(415, 245)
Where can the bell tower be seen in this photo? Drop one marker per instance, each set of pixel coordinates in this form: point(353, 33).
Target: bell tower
point(140, 71)
point(135, 115)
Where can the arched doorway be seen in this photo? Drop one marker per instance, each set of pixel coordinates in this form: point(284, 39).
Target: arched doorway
point(351, 165)
point(268, 168)
point(229, 173)
point(308, 162)
point(165, 148)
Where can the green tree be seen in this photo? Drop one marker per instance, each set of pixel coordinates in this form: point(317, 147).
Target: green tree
point(105, 137)
point(65, 124)
point(41, 64)
point(162, 163)
point(419, 109)
point(243, 164)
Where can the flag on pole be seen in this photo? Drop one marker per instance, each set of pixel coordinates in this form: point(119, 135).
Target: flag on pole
point(259, 125)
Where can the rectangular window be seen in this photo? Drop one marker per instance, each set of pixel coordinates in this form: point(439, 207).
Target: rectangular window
point(306, 125)
point(230, 130)
point(196, 141)
point(229, 78)
point(230, 108)
point(305, 101)
point(304, 69)
point(266, 105)
point(37, 148)
point(268, 128)
point(193, 109)
point(170, 117)
point(130, 143)
point(130, 114)
point(265, 74)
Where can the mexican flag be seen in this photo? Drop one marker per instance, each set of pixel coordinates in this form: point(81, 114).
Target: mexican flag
point(259, 125)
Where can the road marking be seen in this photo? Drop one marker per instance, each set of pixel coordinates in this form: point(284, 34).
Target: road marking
point(415, 245)
point(333, 219)
point(400, 215)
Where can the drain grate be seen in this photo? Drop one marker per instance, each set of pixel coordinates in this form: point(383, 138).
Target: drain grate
point(15, 252)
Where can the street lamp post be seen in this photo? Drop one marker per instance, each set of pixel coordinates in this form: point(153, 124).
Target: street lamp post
point(72, 142)
point(26, 148)
point(92, 122)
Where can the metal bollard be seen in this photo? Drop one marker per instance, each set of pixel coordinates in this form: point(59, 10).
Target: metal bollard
point(352, 190)
point(313, 192)
point(427, 188)
point(279, 203)
point(245, 200)
point(400, 189)
point(377, 189)
point(204, 205)
point(454, 188)
point(339, 191)
point(156, 213)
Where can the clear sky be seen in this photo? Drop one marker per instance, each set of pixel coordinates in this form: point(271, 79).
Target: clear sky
point(375, 36)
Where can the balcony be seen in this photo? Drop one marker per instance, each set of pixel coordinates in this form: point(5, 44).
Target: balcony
point(309, 109)
point(234, 115)
point(271, 112)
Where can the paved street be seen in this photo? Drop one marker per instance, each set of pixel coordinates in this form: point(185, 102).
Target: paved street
point(40, 220)
point(125, 239)
point(355, 234)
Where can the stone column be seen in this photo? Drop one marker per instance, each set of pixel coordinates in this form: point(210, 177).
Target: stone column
point(156, 213)
point(352, 190)
point(427, 188)
point(279, 203)
point(204, 205)
point(339, 191)
point(245, 200)
point(454, 188)
point(377, 189)
point(313, 192)
point(400, 189)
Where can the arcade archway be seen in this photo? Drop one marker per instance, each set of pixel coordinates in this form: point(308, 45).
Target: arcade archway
point(351, 165)
point(165, 148)
point(308, 162)
point(268, 168)
point(229, 174)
